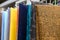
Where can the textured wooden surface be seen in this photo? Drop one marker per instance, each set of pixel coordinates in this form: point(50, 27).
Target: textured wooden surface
point(48, 22)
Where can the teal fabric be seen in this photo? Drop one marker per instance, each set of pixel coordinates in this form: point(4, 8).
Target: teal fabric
point(28, 22)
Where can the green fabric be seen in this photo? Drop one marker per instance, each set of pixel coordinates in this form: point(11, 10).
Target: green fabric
point(55, 2)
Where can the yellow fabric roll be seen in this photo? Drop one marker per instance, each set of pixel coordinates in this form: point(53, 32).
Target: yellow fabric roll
point(13, 23)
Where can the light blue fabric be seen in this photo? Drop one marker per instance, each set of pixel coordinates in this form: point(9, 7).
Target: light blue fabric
point(28, 22)
point(5, 25)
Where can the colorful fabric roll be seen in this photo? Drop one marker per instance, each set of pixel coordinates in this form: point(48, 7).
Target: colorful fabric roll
point(22, 22)
point(3, 24)
point(13, 23)
point(29, 13)
point(6, 27)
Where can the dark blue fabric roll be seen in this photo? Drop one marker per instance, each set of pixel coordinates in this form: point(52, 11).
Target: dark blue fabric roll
point(22, 22)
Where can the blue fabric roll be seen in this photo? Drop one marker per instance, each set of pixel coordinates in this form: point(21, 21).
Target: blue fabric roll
point(5, 25)
point(22, 22)
point(28, 22)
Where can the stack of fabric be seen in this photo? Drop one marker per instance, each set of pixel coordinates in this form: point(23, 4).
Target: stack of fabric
point(30, 22)
point(17, 23)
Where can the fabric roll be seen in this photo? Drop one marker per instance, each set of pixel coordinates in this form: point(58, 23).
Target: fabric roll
point(0, 24)
point(6, 27)
point(13, 24)
point(22, 22)
point(28, 22)
point(47, 22)
point(33, 23)
point(3, 25)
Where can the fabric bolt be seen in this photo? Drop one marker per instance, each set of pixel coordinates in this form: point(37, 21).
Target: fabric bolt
point(28, 22)
point(22, 22)
point(33, 23)
point(47, 22)
point(0, 24)
point(13, 24)
point(3, 25)
point(6, 27)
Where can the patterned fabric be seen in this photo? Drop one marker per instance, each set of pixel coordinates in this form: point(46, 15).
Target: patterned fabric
point(48, 22)
point(33, 24)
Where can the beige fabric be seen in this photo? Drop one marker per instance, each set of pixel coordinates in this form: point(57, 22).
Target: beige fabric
point(48, 22)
